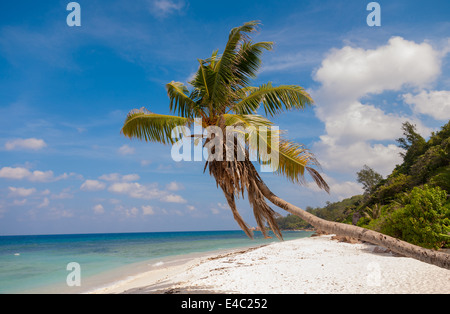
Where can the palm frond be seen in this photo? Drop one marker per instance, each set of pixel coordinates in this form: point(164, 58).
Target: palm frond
point(291, 159)
point(248, 60)
point(180, 102)
point(203, 82)
point(275, 99)
point(148, 126)
point(294, 159)
point(224, 67)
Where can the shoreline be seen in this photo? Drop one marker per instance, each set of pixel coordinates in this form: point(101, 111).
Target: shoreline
point(155, 271)
point(307, 265)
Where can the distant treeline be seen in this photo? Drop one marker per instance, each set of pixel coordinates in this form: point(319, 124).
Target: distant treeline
point(339, 211)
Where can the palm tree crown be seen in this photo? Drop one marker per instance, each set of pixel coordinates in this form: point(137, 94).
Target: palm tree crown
point(222, 96)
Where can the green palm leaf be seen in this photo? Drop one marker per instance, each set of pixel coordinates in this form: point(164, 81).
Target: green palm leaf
point(293, 159)
point(224, 68)
point(180, 101)
point(148, 126)
point(275, 99)
point(248, 60)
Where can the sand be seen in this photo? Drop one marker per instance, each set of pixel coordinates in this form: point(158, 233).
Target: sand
point(308, 265)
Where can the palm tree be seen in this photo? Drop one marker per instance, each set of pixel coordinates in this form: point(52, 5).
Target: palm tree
point(374, 212)
point(222, 97)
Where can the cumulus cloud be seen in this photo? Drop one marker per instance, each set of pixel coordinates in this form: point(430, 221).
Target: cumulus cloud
point(147, 210)
point(92, 185)
point(351, 73)
point(29, 143)
point(355, 129)
point(174, 186)
point(98, 209)
point(172, 198)
point(14, 173)
point(20, 173)
point(126, 150)
point(433, 103)
point(119, 177)
point(147, 192)
point(135, 190)
point(20, 192)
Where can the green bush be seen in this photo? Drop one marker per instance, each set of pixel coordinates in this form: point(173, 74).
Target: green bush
point(424, 220)
point(442, 179)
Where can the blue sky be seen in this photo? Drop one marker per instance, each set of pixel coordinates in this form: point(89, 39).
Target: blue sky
point(65, 92)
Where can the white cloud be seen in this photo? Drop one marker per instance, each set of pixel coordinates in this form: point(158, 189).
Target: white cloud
point(174, 186)
point(119, 177)
point(44, 176)
point(126, 150)
point(45, 203)
point(20, 192)
point(132, 212)
point(135, 190)
point(130, 177)
point(98, 209)
point(354, 72)
point(352, 127)
point(20, 173)
point(172, 198)
point(163, 8)
point(92, 185)
point(434, 103)
point(147, 192)
point(14, 173)
point(110, 177)
point(147, 210)
point(29, 143)
point(363, 122)
point(353, 156)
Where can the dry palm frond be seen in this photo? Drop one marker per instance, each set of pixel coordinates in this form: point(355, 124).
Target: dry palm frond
point(235, 177)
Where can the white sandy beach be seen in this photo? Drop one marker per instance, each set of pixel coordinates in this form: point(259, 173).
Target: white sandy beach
point(309, 265)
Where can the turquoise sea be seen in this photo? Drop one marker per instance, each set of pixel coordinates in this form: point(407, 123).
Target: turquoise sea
point(33, 264)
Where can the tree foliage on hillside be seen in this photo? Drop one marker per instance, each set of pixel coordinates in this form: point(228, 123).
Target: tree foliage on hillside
point(369, 178)
point(413, 200)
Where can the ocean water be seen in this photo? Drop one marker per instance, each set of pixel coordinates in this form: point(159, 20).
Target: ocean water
point(32, 264)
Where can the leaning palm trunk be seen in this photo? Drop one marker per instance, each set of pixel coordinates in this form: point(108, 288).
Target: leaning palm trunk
point(404, 248)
